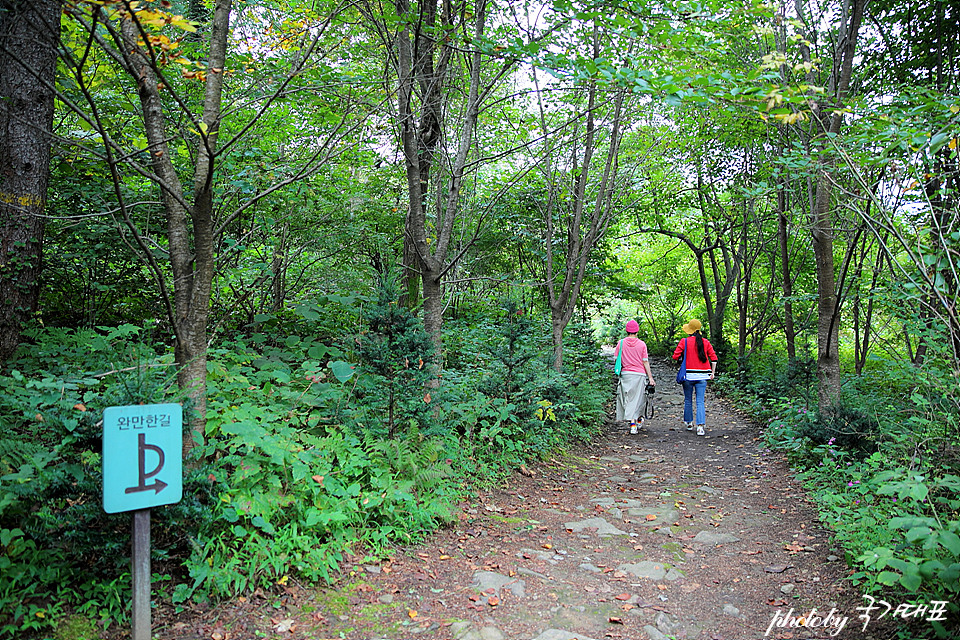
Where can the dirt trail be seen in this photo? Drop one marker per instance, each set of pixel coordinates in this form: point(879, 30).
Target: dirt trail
point(660, 535)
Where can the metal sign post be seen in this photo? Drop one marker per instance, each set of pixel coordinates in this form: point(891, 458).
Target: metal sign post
point(151, 435)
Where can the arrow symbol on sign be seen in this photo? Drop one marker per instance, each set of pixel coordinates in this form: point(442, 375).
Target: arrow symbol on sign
point(158, 485)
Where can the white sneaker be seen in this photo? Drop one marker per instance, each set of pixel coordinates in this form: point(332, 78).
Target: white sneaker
point(700, 431)
point(633, 429)
point(689, 426)
point(642, 420)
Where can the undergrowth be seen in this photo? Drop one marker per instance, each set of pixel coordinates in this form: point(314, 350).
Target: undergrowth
point(309, 452)
point(882, 467)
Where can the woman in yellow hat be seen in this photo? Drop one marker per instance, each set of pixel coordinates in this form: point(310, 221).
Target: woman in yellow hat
point(701, 365)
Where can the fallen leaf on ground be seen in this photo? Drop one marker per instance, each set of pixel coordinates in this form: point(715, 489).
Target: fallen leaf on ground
point(776, 603)
point(615, 620)
point(651, 516)
point(493, 601)
point(623, 596)
point(285, 626)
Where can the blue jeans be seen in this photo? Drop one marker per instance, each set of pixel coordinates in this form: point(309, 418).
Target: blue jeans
point(689, 387)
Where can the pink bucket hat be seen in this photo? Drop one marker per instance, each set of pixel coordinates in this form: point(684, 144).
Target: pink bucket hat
point(633, 327)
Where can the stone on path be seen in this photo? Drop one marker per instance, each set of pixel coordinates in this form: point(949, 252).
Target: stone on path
point(653, 633)
point(531, 573)
point(711, 537)
point(465, 631)
point(490, 633)
point(603, 527)
point(731, 610)
point(483, 580)
point(663, 515)
point(667, 623)
point(559, 634)
point(652, 570)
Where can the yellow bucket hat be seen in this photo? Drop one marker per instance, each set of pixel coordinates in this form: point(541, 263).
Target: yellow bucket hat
point(692, 327)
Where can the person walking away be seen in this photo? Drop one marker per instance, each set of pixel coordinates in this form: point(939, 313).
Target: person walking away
point(701, 362)
point(634, 376)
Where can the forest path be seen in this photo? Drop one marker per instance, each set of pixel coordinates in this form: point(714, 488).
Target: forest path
point(662, 534)
point(659, 535)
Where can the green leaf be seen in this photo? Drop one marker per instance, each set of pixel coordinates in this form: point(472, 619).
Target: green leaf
point(911, 581)
point(951, 541)
point(7, 536)
point(918, 533)
point(343, 371)
point(937, 141)
point(239, 531)
point(888, 578)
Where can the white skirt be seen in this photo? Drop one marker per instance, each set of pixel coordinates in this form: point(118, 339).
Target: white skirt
point(631, 396)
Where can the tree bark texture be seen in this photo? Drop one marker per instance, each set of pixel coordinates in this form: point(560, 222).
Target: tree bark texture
point(29, 33)
point(821, 218)
point(424, 66)
point(190, 229)
point(588, 223)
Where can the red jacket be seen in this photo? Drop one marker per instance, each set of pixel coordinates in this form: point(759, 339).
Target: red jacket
point(694, 363)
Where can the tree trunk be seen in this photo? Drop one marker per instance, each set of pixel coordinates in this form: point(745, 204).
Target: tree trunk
point(422, 66)
point(830, 119)
point(586, 226)
point(191, 238)
point(789, 332)
point(29, 32)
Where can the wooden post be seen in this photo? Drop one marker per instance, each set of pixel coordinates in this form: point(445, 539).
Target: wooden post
point(140, 560)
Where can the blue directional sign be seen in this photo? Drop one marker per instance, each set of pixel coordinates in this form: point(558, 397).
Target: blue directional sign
point(142, 456)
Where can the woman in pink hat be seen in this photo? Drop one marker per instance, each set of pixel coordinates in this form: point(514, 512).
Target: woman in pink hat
point(701, 360)
point(634, 377)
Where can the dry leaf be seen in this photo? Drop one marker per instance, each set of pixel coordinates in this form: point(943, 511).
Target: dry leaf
point(623, 596)
point(651, 516)
point(285, 626)
point(413, 614)
point(493, 601)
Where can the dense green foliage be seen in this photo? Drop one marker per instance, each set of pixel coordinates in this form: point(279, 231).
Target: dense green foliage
point(296, 466)
point(373, 290)
point(882, 468)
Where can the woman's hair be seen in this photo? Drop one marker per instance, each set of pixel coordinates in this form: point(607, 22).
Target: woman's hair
point(700, 350)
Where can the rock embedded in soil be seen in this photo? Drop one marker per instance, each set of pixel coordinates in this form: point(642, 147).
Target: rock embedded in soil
point(483, 580)
point(652, 570)
point(711, 537)
point(603, 527)
point(559, 634)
